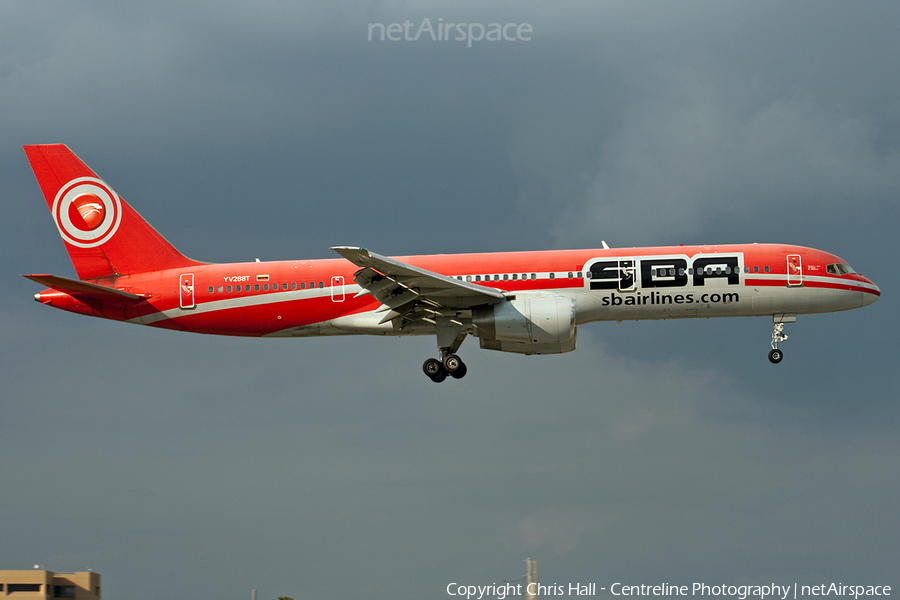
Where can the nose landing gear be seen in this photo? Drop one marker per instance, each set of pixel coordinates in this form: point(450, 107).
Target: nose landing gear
point(778, 335)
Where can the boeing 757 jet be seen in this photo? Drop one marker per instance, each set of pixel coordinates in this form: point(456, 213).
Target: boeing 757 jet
point(523, 302)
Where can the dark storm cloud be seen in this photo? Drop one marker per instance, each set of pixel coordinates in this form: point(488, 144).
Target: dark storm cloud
point(330, 468)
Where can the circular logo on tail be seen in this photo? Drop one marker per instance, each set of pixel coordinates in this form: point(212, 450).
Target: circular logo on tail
point(87, 212)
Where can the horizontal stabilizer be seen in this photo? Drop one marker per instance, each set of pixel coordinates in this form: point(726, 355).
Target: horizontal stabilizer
point(84, 290)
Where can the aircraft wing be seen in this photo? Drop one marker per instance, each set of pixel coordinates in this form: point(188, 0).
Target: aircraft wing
point(411, 292)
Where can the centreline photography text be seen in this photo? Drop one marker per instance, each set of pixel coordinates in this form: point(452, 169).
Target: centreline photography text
point(741, 592)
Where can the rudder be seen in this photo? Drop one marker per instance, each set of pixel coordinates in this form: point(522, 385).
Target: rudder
point(103, 235)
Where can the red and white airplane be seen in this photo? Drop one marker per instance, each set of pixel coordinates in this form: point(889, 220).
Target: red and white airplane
point(523, 302)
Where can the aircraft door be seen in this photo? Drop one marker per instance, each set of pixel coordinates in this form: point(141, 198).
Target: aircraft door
point(186, 291)
point(627, 278)
point(794, 270)
point(337, 289)
point(612, 274)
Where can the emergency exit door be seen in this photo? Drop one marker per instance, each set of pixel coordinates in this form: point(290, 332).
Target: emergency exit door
point(794, 270)
point(186, 291)
point(337, 289)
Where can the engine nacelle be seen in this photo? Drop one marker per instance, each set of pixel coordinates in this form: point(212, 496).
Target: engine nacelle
point(528, 324)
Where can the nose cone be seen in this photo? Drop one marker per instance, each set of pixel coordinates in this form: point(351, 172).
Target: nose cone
point(871, 293)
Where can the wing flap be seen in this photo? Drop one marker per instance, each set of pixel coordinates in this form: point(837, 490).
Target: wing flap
point(409, 293)
point(413, 276)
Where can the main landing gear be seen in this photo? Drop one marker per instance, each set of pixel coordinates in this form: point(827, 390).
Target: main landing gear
point(778, 335)
point(451, 365)
point(450, 336)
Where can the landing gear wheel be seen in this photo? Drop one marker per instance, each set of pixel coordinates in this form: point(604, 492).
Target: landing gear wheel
point(439, 377)
point(460, 372)
point(433, 368)
point(452, 363)
point(775, 356)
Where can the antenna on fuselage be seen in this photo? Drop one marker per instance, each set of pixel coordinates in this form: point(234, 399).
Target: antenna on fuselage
point(605, 245)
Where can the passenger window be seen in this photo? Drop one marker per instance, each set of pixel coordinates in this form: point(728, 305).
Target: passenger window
point(284, 286)
point(578, 274)
point(570, 274)
point(766, 268)
point(756, 269)
point(220, 289)
point(302, 285)
point(321, 284)
point(552, 275)
point(211, 289)
point(496, 278)
point(468, 278)
point(266, 287)
point(293, 285)
point(256, 287)
point(505, 277)
point(681, 270)
point(515, 276)
point(478, 278)
point(533, 276)
point(228, 288)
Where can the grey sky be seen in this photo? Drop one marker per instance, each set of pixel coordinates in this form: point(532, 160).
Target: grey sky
point(331, 468)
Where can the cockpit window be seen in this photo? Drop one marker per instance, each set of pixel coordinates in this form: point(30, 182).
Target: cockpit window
point(839, 269)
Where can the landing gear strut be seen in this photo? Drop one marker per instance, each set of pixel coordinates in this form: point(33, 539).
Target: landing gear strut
point(778, 335)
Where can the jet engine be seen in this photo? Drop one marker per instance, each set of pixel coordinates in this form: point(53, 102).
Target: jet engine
point(527, 324)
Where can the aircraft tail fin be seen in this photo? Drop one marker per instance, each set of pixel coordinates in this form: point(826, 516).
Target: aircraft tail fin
point(104, 236)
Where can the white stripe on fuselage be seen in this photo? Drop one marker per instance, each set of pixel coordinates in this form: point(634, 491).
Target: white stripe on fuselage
point(241, 302)
point(712, 285)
